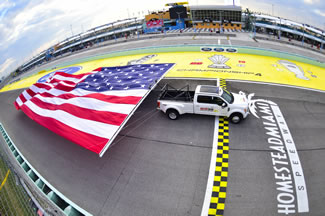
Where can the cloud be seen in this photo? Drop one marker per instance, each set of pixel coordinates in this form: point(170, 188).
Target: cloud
point(318, 12)
point(6, 65)
point(311, 1)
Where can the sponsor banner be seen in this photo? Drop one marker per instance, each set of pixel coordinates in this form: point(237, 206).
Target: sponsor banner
point(155, 23)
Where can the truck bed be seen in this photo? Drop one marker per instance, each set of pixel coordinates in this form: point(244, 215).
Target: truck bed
point(176, 95)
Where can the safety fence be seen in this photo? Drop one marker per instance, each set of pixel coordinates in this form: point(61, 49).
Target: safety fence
point(14, 200)
point(65, 206)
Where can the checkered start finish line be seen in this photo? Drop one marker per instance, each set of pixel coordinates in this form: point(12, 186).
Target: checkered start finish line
point(218, 196)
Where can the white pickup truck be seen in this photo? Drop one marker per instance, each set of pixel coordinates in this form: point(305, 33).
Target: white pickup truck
point(206, 100)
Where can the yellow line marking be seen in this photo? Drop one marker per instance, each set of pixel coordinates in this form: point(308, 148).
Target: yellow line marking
point(4, 181)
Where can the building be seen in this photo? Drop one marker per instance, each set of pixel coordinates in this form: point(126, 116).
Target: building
point(216, 16)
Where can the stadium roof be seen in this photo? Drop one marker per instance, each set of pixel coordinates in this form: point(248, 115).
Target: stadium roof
point(216, 7)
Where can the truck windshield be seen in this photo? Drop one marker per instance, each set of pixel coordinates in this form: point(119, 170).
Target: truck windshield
point(227, 96)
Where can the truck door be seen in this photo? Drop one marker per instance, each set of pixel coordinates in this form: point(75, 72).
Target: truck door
point(210, 105)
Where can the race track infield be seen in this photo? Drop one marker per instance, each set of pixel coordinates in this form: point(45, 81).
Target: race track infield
point(270, 164)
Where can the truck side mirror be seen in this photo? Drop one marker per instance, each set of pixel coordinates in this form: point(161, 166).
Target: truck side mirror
point(224, 105)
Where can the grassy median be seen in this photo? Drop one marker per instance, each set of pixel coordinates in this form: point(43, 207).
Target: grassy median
point(13, 198)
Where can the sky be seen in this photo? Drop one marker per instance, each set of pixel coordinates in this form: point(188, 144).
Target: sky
point(27, 27)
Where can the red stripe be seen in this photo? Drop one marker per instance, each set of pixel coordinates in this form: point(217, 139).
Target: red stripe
point(22, 98)
point(88, 141)
point(68, 82)
point(43, 86)
point(98, 69)
point(105, 98)
point(63, 87)
point(59, 87)
point(16, 105)
point(106, 117)
point(30, 92)
point(63, 74)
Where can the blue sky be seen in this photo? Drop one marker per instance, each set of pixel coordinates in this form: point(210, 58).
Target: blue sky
point(28, 27)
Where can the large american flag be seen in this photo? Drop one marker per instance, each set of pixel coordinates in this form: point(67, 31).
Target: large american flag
point(90, 109)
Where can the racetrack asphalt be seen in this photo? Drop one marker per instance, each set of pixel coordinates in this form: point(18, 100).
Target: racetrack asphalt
point(160, 167)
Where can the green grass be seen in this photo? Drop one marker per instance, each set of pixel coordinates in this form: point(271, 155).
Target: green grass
point(13, 198)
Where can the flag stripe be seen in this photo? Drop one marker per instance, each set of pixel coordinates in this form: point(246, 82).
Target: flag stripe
point(26, 96)
point(65, 82)
point(112, 118)
point(90, 103)
point(86, 140)
point(81, 92)
point(106, 98)
point(84, 125)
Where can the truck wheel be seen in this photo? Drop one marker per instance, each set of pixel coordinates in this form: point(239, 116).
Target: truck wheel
point(235, 118)
point(172, 114)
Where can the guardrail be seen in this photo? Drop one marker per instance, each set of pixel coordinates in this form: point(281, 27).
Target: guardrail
point(67, 207)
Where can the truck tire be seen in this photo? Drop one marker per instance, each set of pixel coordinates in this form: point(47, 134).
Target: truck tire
point(172, 114)
point(236, 118)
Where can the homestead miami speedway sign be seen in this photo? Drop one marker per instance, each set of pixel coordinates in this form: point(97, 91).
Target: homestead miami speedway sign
point(289, 177)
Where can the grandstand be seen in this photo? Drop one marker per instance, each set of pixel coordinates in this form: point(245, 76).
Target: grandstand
point(293, 30)
point(184, 19)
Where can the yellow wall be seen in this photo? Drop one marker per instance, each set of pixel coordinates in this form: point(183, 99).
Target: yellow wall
point(217, 25)
point(163, 15)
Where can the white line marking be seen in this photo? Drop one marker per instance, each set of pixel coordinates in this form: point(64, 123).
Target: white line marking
point(229, 42)
point(218, 41)
point(298, 175)
point(276, 84)
point(208, 192)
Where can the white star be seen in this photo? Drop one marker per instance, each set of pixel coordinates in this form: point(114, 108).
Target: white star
point(98, 88)
point(140, 74)
point(126, 87)
point(116, 77)
point(119, 81)
point(94, 80)
point(142, 86)
point(111, 88)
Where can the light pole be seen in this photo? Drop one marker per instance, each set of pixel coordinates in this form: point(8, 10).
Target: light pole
point(303, 33)
point(279, 34)
point(323, 37)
